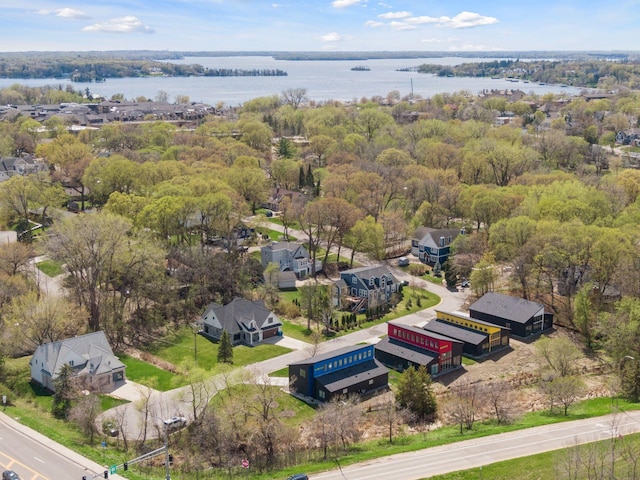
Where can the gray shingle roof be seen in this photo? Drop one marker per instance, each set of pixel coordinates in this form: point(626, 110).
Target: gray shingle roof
point(92, 347)
point(239, 313)
point(504, 306)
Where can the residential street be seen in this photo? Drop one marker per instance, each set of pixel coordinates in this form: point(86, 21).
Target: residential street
point(484, 451)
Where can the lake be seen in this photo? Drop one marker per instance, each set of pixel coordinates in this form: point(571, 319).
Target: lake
point(323, 79)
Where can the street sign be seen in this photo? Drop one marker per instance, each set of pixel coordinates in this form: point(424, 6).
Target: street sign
point(104, 444)
point(112, 469)
point(245, 463)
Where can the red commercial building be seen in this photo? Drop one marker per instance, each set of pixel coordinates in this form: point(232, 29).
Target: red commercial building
point(407, 346)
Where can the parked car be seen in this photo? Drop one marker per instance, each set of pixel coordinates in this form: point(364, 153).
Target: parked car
point(403, 262)
point(465, 284)
point(298, 476)
point(174, 423)
point(10, 475)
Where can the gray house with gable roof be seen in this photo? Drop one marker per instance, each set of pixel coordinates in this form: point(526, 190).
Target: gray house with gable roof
point(90, 356)
point(247, 322)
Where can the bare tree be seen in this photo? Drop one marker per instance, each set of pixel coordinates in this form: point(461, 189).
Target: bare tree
point(391, 414)
point(564, 391)
point(499, 395)
point(15, 256)
point(84, 414)
point(294, 96)
point(463, 404)
point(144, 407)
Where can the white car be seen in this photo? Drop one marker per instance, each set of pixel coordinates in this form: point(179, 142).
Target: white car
point(175, 423)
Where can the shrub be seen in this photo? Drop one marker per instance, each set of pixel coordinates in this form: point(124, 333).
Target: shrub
point(417, 269)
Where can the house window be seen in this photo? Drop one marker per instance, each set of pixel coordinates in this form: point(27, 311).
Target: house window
point(371, 382)
point(321, 394)
point(354, 280)
point(359, 356)
point(340, 362)
point(303, 373)
point(383, 282)
point(71, 363)
point(269, 320)
point(345, 390)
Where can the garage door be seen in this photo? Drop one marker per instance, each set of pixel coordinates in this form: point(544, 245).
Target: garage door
point(269, 333)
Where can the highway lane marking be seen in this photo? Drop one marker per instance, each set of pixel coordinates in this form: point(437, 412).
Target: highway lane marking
point(12, 461)
point(41, 461)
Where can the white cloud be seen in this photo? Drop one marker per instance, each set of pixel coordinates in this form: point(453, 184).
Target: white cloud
point(278, 5)
point(462, 20)
point(392, 15)
point(372, 24)
point(402, 26)
point(347, 3)
point(64, 12)
point(469, 19)
point(128, 24)
point(384, 5)
point(331, 37)
point(432, 40)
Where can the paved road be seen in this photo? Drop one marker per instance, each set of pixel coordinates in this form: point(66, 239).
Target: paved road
point(484, 451)
point(36, 457)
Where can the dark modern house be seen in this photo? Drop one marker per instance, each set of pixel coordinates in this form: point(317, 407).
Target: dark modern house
point(247, 322)
point(348, 370)
point(407, 346)
point(522, 317)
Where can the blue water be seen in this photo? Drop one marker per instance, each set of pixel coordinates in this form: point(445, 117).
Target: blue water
point(323, 80)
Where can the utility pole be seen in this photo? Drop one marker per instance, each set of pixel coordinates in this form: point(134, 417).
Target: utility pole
point(166, 451)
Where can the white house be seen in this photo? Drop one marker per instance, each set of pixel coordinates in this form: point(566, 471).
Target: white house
point(290, 257)
point(90, 356)
point(247, 322)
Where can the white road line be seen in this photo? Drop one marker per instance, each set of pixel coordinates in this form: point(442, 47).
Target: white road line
point(41, 461)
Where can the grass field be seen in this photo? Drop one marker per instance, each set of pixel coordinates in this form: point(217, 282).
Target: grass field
point(50, 268)
point(180, 347)
point(149, 375)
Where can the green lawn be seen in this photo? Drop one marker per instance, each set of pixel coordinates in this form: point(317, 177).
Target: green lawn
point(50, 268)
point(180, 347)
point(147, 374)
point(291, 410)
point(282, 373)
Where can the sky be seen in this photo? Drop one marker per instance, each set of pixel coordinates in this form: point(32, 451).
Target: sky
point(319, 25)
